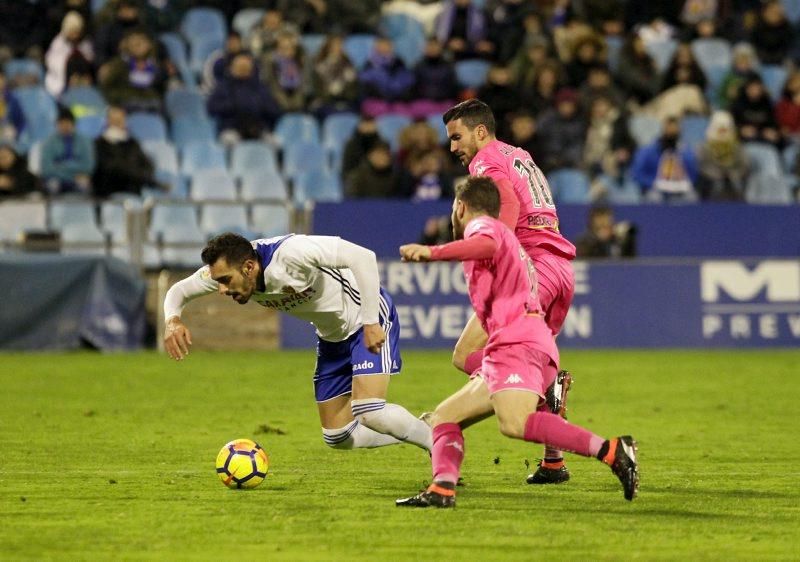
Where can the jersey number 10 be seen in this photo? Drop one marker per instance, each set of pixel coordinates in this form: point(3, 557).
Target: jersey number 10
point(537, 183)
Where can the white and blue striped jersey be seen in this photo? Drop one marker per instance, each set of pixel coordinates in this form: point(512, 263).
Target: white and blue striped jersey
point(330, 282)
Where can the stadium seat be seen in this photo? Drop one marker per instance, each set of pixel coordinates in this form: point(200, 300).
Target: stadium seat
point(712, 52)
point(396, 24)
point(147, 126)
point(213, 184)
point(114, 222)
point(187, 130)
point(389, 127)
point(472, 73)
point(35, 158)
point(246, 19)
point(263, 185)
point(774, 77)
point(765, 158)
point(661, 52)
point(40, 112)
point(182, 245)
point(766, 189)
point(18, 216)
point(204, 22)
point(176, 225)
point(162, 154)
point(628, 193)
point(216, 218)
point(200, 49)
point(24, 67)
point(436, 122)
point(312, 43)
point(296, 127)
point(185, 103)
point(644, 128)
point(302, 156)
point(270, 219)
point(84, 100)
point(82, 239)
point(70, 212)
point(569, 185)
point(792, 9)
point(358, 47)
point(176, 49)
point(91, 125)
point(788, 157)
point(338, 128)
point(410, 49)
point(201, 156)
point(693, 130)
point(252, 157)
point(317, 184)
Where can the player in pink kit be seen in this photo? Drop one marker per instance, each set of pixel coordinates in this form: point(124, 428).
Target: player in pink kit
point(527, 208)
point(520, 358)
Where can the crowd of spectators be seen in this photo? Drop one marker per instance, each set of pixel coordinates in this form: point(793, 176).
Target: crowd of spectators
point(568, 80)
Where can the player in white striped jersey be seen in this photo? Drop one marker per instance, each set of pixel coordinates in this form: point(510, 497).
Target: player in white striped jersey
point(334, 285)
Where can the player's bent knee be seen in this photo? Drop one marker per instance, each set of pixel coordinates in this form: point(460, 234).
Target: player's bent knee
point(511, 427)
point(459, 358)
point(369, 413)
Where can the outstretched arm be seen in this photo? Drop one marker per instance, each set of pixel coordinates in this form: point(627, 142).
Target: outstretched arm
point(474, 248)
point(177, 337)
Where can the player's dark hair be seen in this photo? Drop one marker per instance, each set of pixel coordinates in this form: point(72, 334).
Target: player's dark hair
point(472, 113)
point(235, 248)
point(481, 194)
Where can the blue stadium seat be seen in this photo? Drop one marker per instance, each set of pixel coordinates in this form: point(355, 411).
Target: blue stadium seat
point(176, 50)
point(204, 22)
point(185, 103)
point(774, 77)
point(312, 43)
point(436, 122)
point(410, 48)
point(84, 239)
point(472, 73)
point(358, 47)
point(253, 157)
point(71, 212)
point(299, 156)
point(765, 189)
point(318, 184)
point(200, 49)
point(35, 158)
point(17, 216)
point(569, 185)
point(163, 155)
point(338, 128)
point(84, 100)
point(213, 184)
point(395, 25)
point(712, 52)
point(187, 130)
point(201, 155)
point(40, 112)
point(270, 219)
point(765, 158)
point(147, 126)
point(167, 213)
point(24, 67)
point(628, 193)
point(792, 9)
point(296, 127)
point(662, 52)
point(644, 128)
point(216, 218)
point(113, 221)
point(263, 185)
point(91, 125)
point(244, 20)
point(693, 130)
point(389, 127)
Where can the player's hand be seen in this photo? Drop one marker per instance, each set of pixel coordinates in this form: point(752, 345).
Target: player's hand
point(177, 339)
point(374, 337)
point(415, 252)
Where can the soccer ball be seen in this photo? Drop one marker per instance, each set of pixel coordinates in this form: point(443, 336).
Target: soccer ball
point(242, 463)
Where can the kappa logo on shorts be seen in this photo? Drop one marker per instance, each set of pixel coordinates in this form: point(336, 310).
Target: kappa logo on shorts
point(513, 378)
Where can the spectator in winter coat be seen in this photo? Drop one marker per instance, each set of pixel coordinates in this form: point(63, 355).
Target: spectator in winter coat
point(787, 111)
point(724, 164)
point(563, 134)
point(68, 45)
point(461, 28)
point(136, 79)
point(334, 79)
point(773, 34)
point(374, 177)
point(15, 179)
point(241, 104)
point(436, 85)
point(385, 80)
point(284, 71)
point(122, 165)
point(664, 170)
point(68, 158)
point(754, 113)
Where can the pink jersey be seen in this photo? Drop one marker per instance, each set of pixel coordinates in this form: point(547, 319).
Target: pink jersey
point(503, 291)
point(537, 226)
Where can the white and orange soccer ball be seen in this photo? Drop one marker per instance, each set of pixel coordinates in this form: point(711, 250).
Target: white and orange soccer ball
point(242, 463)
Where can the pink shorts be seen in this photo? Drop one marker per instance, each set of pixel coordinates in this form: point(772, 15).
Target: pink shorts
point(556, 288)
point(517, 367)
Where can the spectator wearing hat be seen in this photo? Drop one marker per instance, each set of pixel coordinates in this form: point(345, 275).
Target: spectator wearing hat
point(68, 158)
point(69, 48)
point(724, 164)
point(562, 131)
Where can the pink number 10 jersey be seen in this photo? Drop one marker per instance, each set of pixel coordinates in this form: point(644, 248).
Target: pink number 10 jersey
point(537, 225)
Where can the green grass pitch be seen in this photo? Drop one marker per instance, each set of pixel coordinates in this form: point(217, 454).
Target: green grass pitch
point(111, 457)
